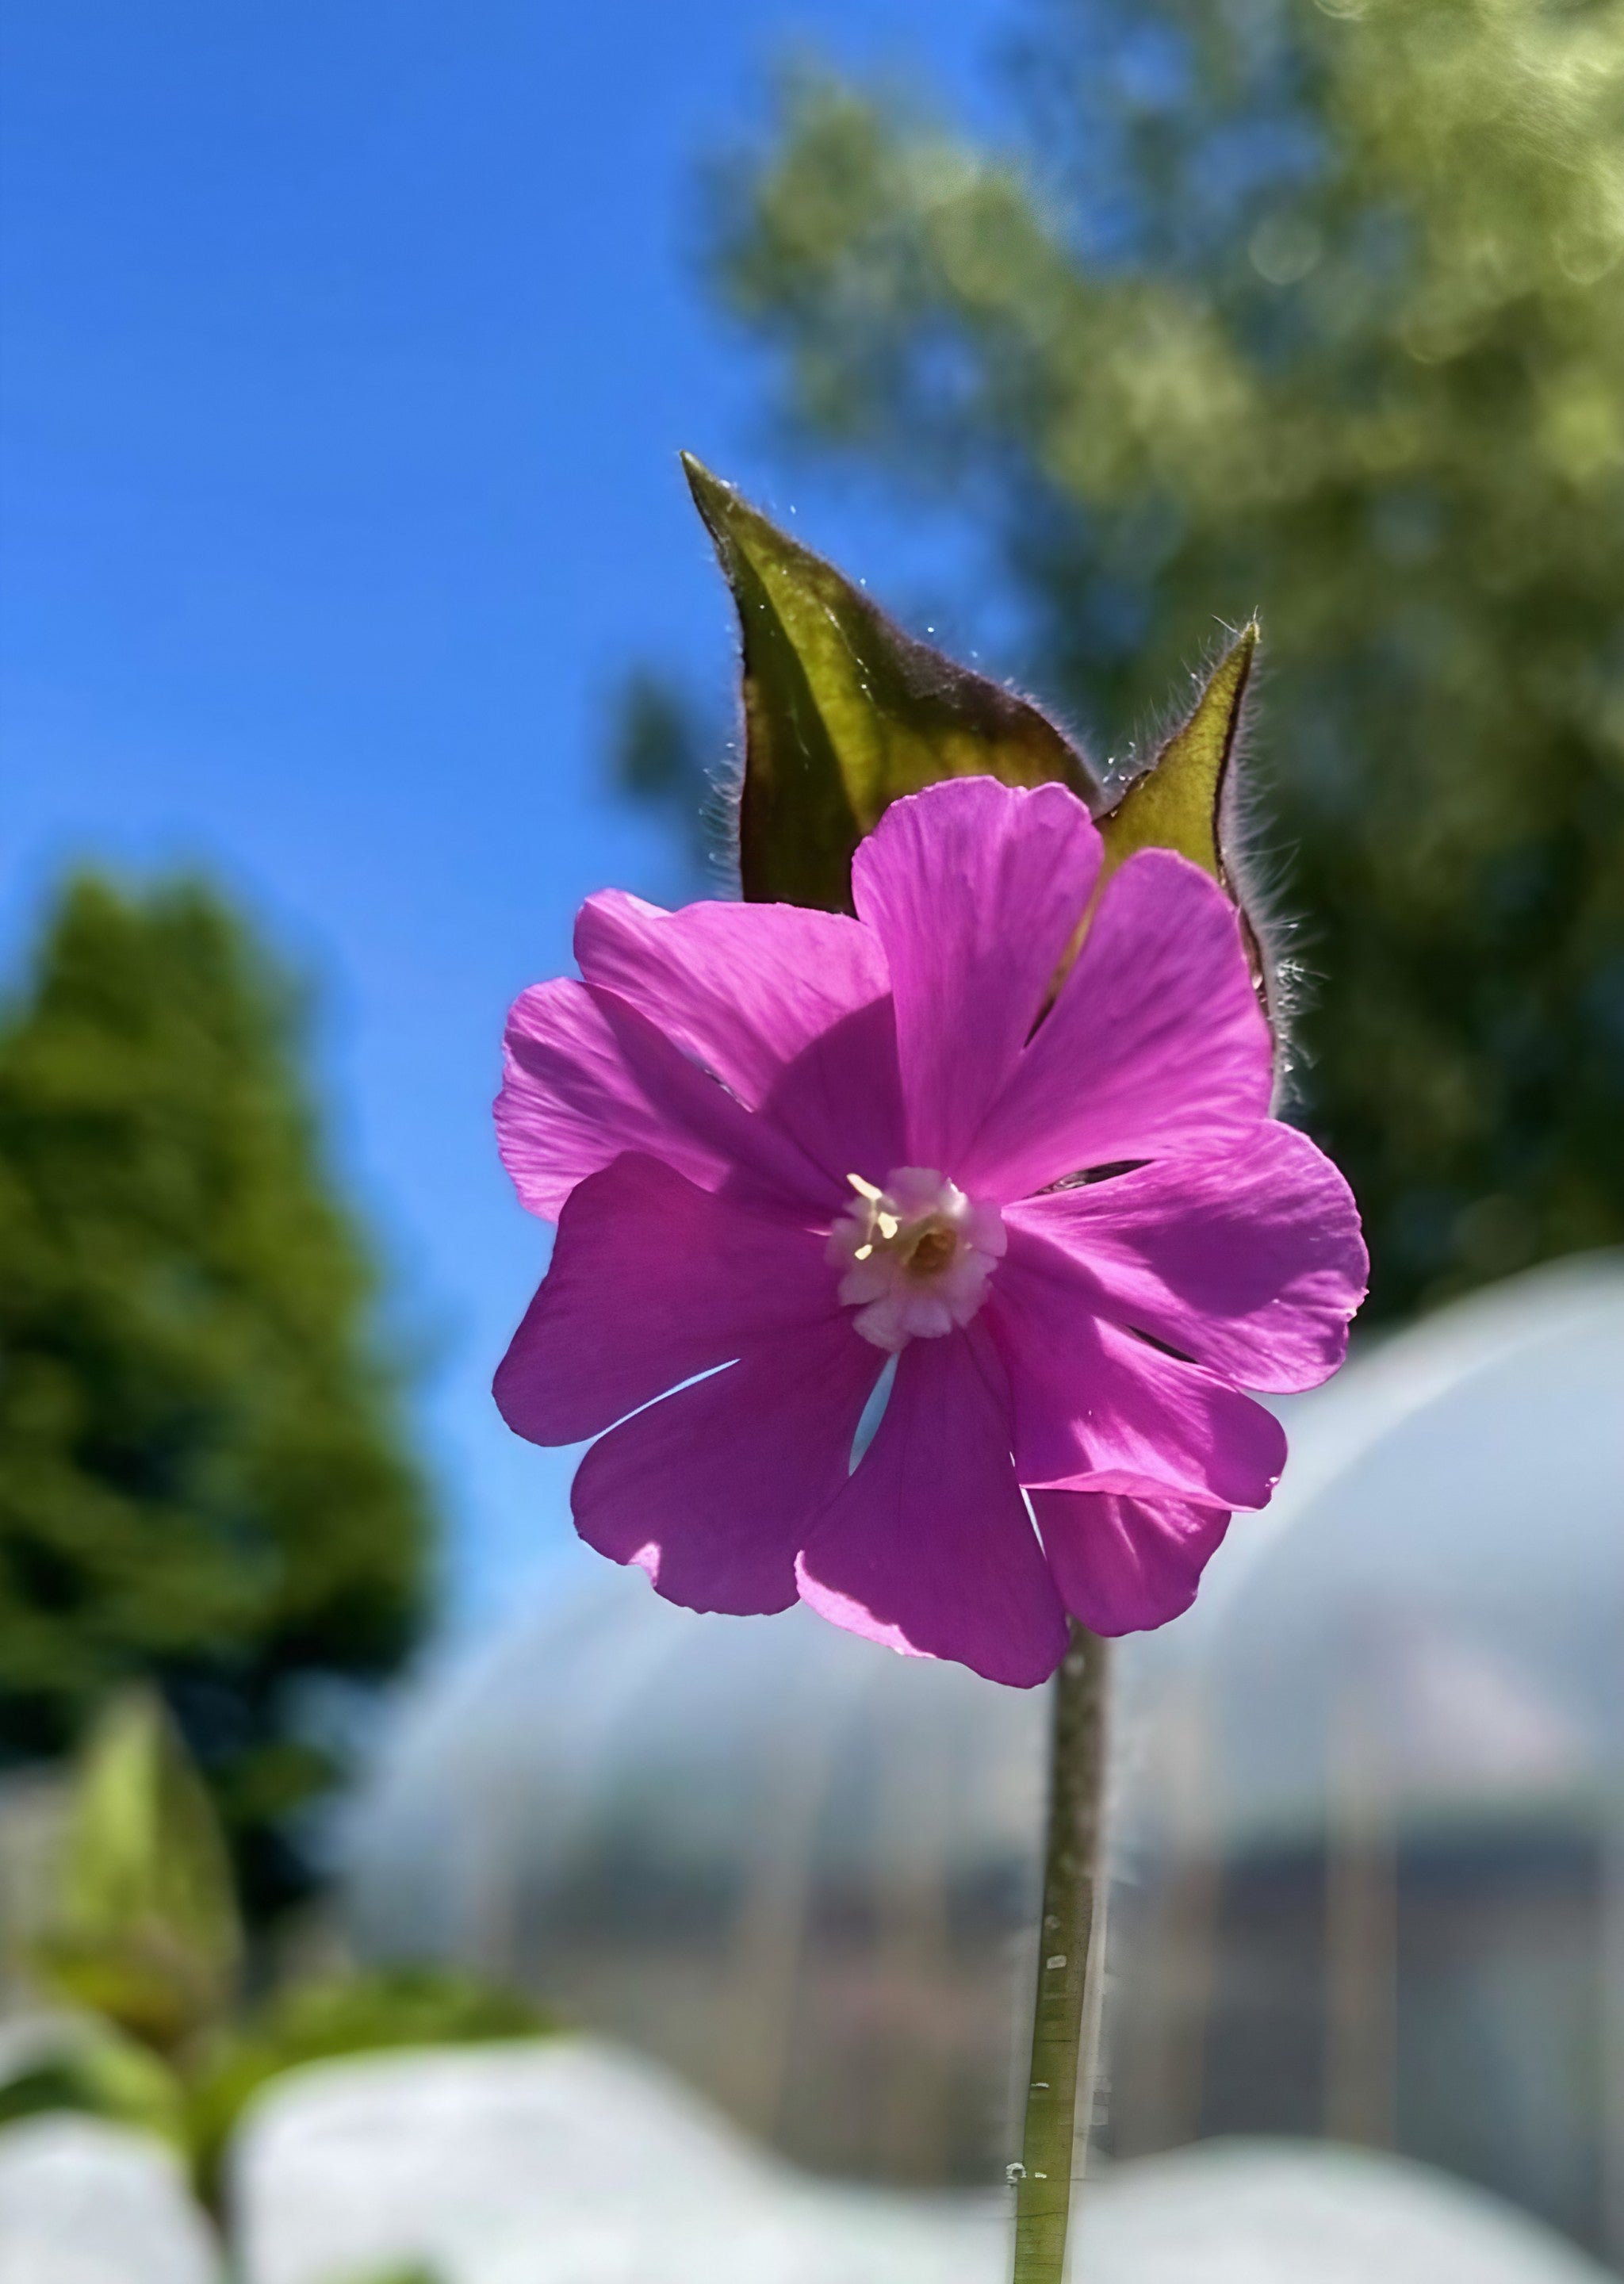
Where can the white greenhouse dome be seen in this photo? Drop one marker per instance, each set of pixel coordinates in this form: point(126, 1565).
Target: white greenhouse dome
point(1369, 1801)
point(786, 1862)
point(1449, 1541)
point(1380, 1785)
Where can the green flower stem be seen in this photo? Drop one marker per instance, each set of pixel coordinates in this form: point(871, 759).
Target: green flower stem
point(1065, 2025)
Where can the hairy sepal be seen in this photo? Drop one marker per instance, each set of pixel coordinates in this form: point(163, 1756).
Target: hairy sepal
point(844, 713)
point(1188, 799)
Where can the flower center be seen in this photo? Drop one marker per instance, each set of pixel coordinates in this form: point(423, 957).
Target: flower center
point(914, 1256)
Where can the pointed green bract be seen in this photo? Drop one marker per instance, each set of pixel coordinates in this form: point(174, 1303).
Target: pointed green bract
point(1178, 804)
point(844, 712)
point(144, 1928)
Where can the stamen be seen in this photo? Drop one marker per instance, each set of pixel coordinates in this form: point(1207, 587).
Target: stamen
point(914, 1257)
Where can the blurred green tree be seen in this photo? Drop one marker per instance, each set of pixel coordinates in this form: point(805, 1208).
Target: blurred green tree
point(1318, 308)
point(202, 1475)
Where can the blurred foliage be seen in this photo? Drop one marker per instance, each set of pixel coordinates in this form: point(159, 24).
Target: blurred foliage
point(413, 2271)
point(143, 1935)
point(80, 2063)
point(145, 1931)
point(1319, 309)
point(202, 1475)
point(351, 2015)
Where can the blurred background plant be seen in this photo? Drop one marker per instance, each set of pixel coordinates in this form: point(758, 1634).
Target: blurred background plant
point(1313, 307)
point(139, 1943)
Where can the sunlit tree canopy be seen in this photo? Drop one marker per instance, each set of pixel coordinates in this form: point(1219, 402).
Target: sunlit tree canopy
point(1318, 310)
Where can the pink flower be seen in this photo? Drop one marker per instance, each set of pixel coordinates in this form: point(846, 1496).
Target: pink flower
point(806, 1148)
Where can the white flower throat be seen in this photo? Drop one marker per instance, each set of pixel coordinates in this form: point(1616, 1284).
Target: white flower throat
point(916, 1255)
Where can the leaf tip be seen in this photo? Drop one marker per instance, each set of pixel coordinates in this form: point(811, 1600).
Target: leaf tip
point(711, 494)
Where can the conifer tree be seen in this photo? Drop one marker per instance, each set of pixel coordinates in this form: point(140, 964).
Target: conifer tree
point(203, 1479)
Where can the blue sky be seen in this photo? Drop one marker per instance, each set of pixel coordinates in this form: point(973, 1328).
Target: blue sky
point(346, 351)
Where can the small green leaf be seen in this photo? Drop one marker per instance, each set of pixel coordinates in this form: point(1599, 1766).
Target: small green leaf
point(78, 2062)
point(409, 2271)
point(1178, 802)
point(356, 2013)
point(844, 712)
point(143, 1928)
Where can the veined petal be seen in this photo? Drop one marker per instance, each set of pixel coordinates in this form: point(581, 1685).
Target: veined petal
point(1097, 1409)
point(652, 1279)
point(974, 889)
point(929, 1547)
point(586, 1076)
point(1155, 1043)
point(712, 1491)
point(1124, 1564)
point(840, 1100)
point(1248, 1259)
point(744, 988)
point(791, 1008)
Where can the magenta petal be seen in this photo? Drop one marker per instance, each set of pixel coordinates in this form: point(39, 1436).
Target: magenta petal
point(840, 1100)
point(712, 1491)
point(974, 889)
point(1123, 1565)
point(1155, 1043)
point(1097, 1409)
point(744, 988)
point(652, 1281)
point(1249, 1259)
point(929, 1547)
point(587, 1076)
point(791, 1008)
